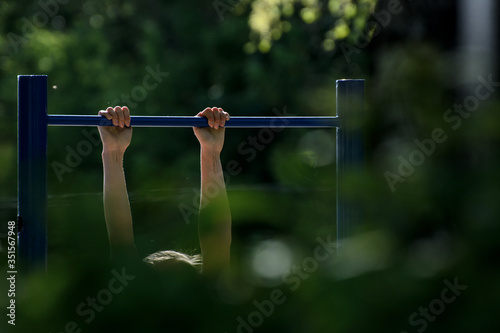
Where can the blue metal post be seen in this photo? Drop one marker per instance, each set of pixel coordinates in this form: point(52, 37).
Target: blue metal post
point(350, 155)
point(32, 171)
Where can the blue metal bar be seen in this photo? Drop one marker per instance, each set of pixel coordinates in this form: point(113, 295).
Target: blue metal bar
point(170, 121)
point(350, 155)
point(32, 171)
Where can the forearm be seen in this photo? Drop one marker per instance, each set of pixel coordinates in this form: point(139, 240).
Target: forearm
point(116, 205)
point(215, 216)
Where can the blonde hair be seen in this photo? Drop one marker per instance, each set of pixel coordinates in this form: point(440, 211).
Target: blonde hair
point(163, 260)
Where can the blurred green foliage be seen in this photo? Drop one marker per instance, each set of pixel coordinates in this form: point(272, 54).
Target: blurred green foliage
point(440, 223)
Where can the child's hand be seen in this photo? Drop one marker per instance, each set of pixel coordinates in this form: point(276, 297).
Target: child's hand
point(116, 138)
point(212, 137)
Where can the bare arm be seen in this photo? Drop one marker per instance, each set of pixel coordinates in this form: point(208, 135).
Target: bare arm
point(116, 204)
point(214, 225)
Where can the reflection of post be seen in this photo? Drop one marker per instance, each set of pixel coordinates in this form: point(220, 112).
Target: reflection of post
point(350, 155)
point(477, 36)
point(32, 171)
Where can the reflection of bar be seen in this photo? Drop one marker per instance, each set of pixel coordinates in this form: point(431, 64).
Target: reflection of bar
point(171, 121)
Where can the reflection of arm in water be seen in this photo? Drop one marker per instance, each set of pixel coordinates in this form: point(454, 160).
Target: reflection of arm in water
point(214, 225)
point(115, 140)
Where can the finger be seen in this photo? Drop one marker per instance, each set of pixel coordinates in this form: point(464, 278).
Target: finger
point(114, 116)
point(126, 114)
point(222, 121)
point(217, 119)
point(202, 113)
point(121, 117)
point(208, 113)
point(105, 114)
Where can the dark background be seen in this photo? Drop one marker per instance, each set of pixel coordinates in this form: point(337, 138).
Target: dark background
point(440, 224)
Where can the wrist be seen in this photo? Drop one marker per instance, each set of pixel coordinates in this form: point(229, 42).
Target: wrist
point(211, 151)
point(113, 153)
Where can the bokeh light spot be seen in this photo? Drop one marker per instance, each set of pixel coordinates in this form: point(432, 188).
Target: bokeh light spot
point(271, 259)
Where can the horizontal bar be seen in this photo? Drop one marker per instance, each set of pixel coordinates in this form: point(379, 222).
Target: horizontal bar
point(174, 121)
